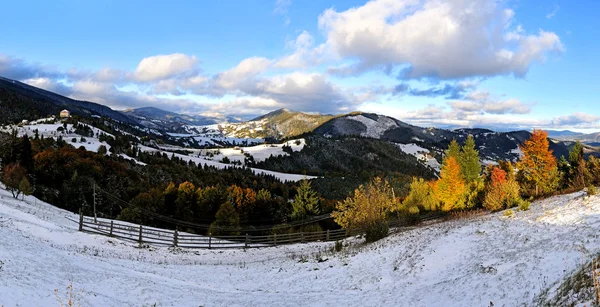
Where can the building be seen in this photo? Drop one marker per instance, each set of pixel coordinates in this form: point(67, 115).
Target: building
point(65, 114)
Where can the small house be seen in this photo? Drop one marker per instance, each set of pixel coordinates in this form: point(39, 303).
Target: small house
point(65, 114)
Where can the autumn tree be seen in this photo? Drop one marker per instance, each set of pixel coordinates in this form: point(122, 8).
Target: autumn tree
point(449, 189)
point(185, 201)
point(367, 208)
point(538, 170)
point(502, 191)
point(421, 196)
point(306, 202)
point(13, 176)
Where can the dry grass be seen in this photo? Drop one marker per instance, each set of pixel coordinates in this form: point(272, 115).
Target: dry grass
point(70, 299)
point(596, 277)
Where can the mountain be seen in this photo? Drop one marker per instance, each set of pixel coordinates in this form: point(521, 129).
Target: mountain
point(156, 118)
point(19, 101)
point(492, 145)
point(562, 133)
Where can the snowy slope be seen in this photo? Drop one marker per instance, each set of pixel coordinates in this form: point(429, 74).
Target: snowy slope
point(507, 261)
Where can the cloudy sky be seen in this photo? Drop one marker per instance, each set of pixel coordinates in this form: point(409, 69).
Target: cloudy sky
point(476, 63)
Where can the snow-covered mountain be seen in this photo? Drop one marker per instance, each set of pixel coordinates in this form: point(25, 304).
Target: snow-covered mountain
point(492, 145)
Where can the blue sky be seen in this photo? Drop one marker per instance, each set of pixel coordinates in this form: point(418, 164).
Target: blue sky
point(499, 64)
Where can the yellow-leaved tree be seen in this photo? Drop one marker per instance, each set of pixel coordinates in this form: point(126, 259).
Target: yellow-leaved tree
point(367, 208)
point(450, 188)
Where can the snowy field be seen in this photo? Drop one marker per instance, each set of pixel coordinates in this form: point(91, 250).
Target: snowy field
point(422, 154)
point(504, 260)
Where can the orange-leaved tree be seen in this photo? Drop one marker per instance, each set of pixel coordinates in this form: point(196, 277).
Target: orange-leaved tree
point(538, 168)
point(450, 188)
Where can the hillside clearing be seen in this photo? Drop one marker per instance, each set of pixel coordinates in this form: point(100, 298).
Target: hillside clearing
point(505, 260)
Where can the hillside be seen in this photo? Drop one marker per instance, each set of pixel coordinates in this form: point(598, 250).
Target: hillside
point(492, 145)
point(19, 101)
point(490, 259)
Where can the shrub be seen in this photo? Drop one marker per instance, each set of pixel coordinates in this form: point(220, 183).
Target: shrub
point(338, 246)
point(377, 231)
point(524, 205)
point(591, 190)
point(509, 213)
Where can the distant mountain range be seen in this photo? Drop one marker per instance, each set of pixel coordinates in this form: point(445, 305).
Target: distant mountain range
point(21, 101)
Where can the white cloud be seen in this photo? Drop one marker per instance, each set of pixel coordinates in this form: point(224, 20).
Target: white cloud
point(482, 102)
point(164, 66)
point(243, 72)
point(576, 119)
point(281, 8)
point(441, 39)
point(553, 12)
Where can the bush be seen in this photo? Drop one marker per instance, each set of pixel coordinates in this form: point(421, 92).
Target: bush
point(591, 190)
point(509, 213)
point(338, 246)
point(377, 231)
point(523, 205)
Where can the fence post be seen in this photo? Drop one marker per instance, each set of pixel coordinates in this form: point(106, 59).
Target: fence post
point(140, 238)
point(209, 240)
point(327, 236)
point(80, 219)
point(302, 237)
point(247, 240)
point(175, 238)
point(275, 239)
point(111, 228)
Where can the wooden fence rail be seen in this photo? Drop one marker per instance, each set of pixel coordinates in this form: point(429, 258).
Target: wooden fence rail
point(157, 236)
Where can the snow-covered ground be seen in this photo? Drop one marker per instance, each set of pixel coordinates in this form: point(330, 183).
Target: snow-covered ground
point(260, 152)
point(493, 258)
point(422, 154)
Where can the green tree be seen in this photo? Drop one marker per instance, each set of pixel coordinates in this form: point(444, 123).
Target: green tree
point(306, 202)
point(469, 161)
point(421, 196)
point(452, 151)
point(226, 221)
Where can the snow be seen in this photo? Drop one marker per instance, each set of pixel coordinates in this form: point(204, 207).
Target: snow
point(375, 128)
point(466, 262)
point(204, 161)
point(258, 152)
point(422, 154)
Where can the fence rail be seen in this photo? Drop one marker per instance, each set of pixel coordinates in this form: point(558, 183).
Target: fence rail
point(157, 236)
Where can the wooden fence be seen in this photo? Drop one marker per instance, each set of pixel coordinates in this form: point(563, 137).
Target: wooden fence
point(157, 236)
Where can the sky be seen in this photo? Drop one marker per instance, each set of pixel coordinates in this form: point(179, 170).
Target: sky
point(477, 63)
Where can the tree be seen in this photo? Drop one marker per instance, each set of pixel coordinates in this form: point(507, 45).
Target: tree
point(367, 208)
point(25, 187)
point(226, 221)
point(502, 191)
point(12, 177)
point(578, 174)
point(449, 189)
point(421, 195)
point(538, 170)
point(453, 151)
point(26, 154)
point(306, 202)
point(469, 161)
point(102, 150)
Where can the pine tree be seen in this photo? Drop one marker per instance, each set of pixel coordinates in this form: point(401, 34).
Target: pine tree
point(469, 161)
point(306, 202)
point(450, 187)
point(453, 151)
point(26, 154)
point(226, 221)
point(537, 167)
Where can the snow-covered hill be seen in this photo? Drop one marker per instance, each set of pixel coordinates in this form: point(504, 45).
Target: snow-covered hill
point(505, 260)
